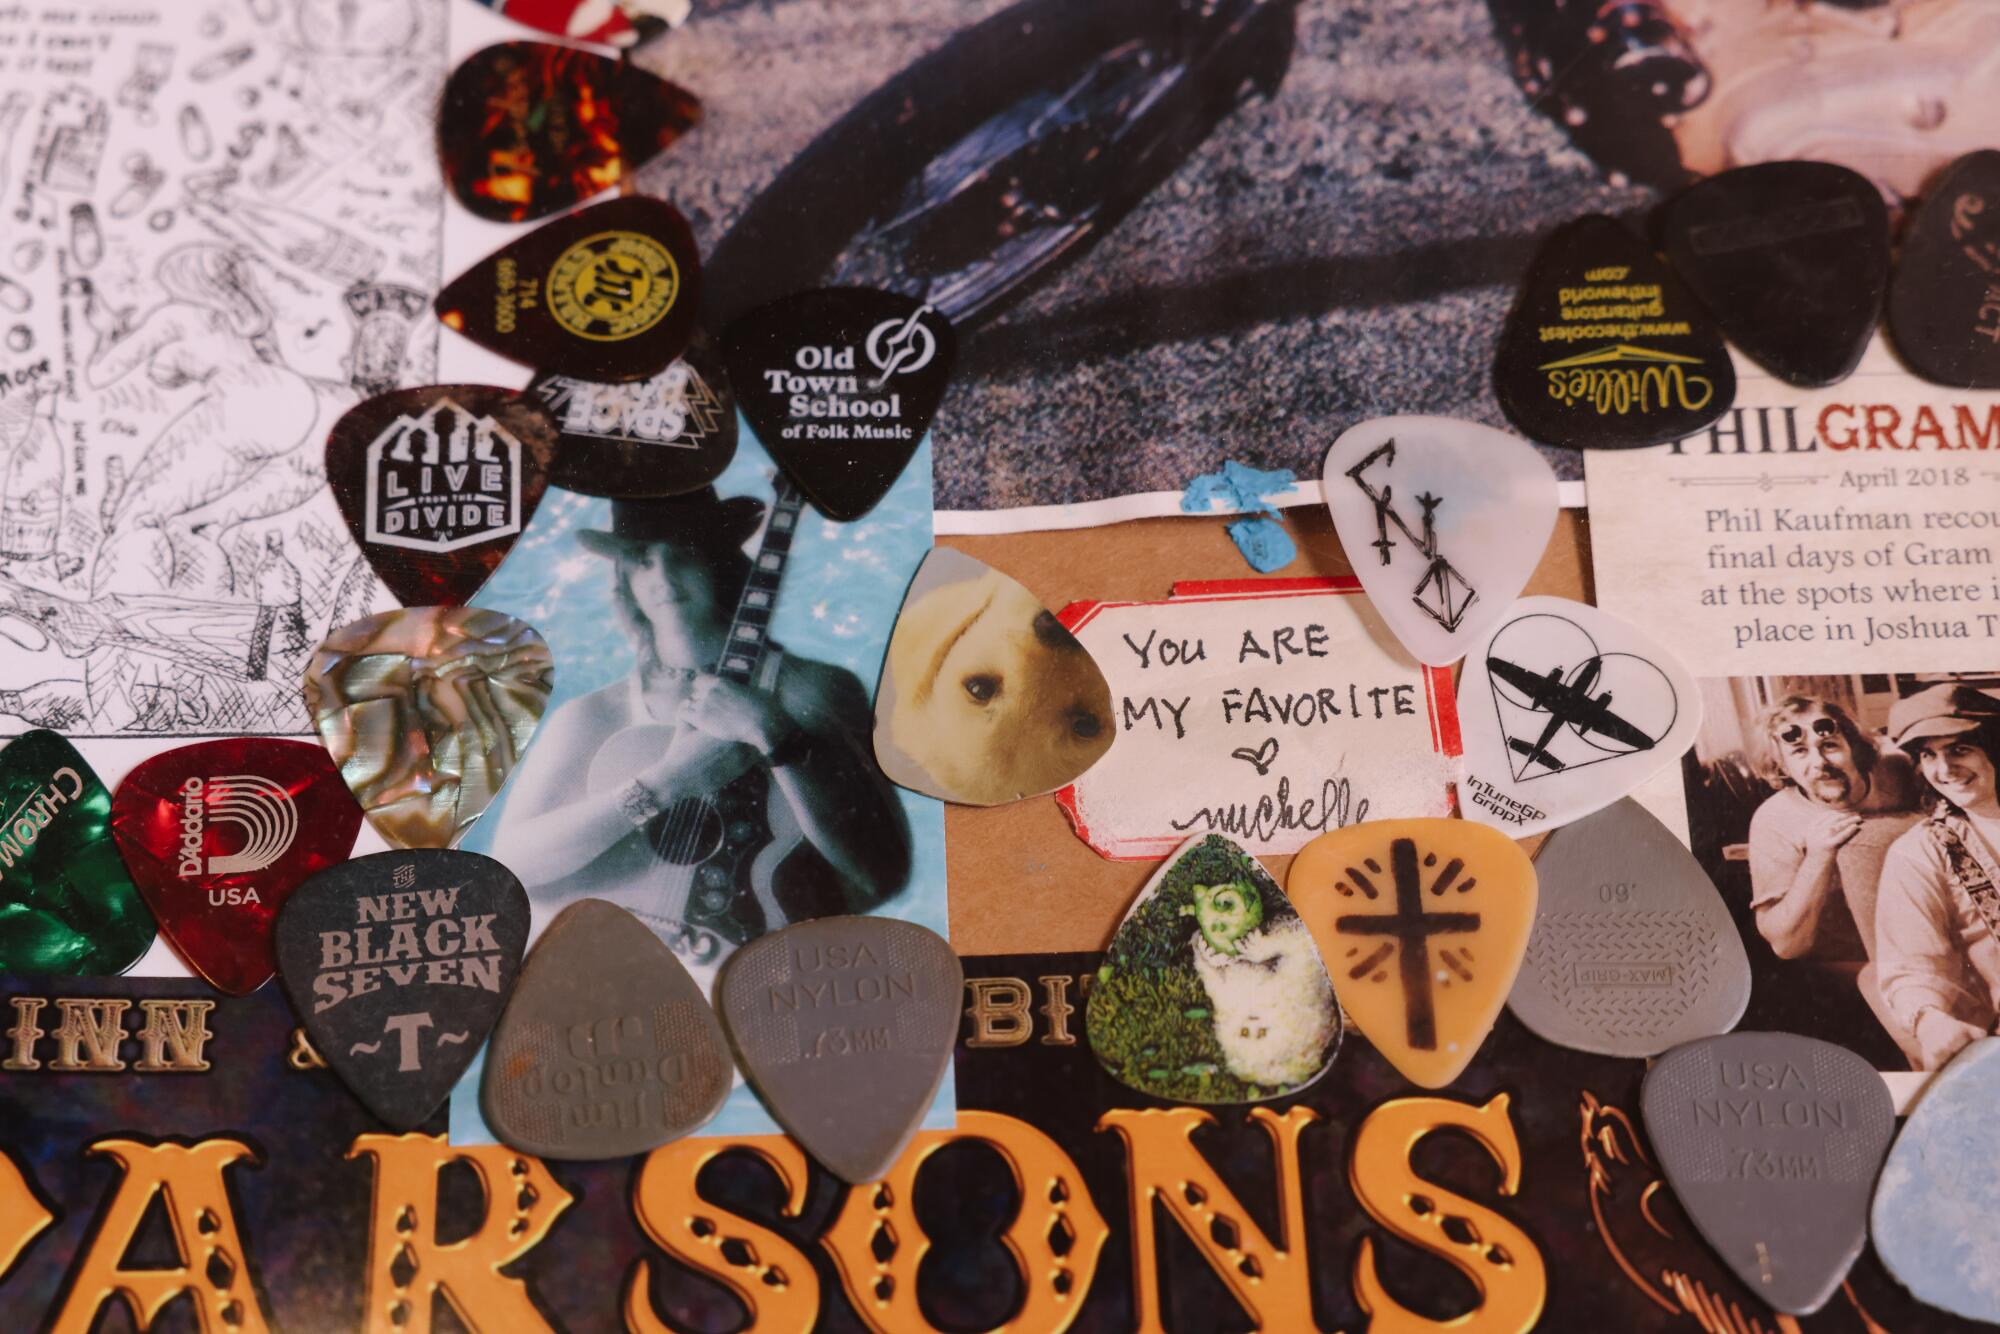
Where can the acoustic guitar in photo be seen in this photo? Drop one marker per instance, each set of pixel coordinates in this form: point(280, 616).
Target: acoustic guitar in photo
point(704, 872)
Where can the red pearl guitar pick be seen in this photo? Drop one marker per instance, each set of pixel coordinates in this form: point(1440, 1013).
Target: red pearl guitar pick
point(217, 836)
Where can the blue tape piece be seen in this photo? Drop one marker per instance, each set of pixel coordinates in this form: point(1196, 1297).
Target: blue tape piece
point(1239, 487)
point(1264, 543)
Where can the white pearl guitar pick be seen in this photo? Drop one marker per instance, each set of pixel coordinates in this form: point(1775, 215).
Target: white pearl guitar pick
point(1563, 709)
point(1443, 521)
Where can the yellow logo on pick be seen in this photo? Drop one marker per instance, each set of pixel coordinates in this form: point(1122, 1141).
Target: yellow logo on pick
point(1422, 924)
point(613, 285)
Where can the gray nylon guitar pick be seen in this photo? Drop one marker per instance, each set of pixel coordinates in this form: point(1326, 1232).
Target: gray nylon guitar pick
point(1772, 1142)
point(844, 1025)
point(608, 1047)
point(1633, 950)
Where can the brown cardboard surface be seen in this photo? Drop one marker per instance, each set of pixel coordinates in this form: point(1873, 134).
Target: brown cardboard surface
point(1021, 880)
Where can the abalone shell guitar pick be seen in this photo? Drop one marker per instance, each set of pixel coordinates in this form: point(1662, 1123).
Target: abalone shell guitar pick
point(67, 907)
point(1422, 924)
point(608, 1047)
point(437, 482)
point(840, 385)
point(1213, 990)
point(426, 711)
point(665, 436)
point(1443, 521)
point(1944, 302)
point(844, 1025)
point(985, 697)
point(1633, 949)
point(219, 834)
point(398, 965)
point(1562, 710)
point(1606, 349)
point(1792, 259)
point(1935, 1204)
point(1771, 1142)
point(530, 128)
point(606, 293)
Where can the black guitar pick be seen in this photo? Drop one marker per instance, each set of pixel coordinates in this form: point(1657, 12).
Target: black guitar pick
point(1792, 259)
point(606, 293)
point(437, 482)
point(840, 385)
point(665, 436)
point(530, 128)
point(1944, 303)
point(398, 965)
point(1606, 349)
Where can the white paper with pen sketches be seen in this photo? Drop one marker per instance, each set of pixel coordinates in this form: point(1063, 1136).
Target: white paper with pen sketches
point(1268, 710)
point(223, 227)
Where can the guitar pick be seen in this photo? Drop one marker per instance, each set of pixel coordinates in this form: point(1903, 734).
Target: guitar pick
point(1423, 924)
point(840, 385)
point(1771, 1143)
point(1944, 302)
point(985, 697)
point(844, 1025)
point(665, 436)
point(1792, 259)
point(607, 1048)
point(1605, 349)
point(530, 128)
point(1443, 521)
point(1212, 989)
point(427, 710)
point(1932, 1219)
point(219, 834)
point(67, 907)
point(1563, 710)
point(437, 482)
point(621, 23)
point(398, 963)
point(1633, 950)
point(606, 293)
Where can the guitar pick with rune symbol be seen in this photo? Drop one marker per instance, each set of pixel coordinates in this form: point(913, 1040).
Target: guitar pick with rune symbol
point(1423, 924)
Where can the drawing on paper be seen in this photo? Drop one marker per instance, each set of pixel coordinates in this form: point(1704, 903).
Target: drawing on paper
point(203, 271)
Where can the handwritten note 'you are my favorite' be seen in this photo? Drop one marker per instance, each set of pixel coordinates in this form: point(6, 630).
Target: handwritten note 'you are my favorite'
point(1269, 710)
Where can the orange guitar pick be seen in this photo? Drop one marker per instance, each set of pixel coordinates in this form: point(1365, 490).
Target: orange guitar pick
point(1422, 924)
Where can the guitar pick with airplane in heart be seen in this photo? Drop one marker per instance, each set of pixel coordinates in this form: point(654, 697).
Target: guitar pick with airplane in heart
point(840, 385)
point(218, 835)
point(1443, 521)
point(1562, 710)
point(436, 483)
point(398, 965)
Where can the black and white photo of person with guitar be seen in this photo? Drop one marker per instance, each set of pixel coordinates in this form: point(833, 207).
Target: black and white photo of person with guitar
point(725, 788)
